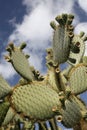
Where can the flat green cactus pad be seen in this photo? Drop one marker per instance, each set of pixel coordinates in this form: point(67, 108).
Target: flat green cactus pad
point(4, 106)
point(61, 38)
point(78, 79)
point(9, 116)
point(19, 61)
point(71, 114)
point(35, 100)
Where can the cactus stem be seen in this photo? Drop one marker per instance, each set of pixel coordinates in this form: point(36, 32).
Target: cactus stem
point(41, 126)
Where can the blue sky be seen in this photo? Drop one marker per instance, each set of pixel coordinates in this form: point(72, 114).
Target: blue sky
point(28, 20)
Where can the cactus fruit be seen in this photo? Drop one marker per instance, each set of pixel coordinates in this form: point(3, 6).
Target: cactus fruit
point(53, 97)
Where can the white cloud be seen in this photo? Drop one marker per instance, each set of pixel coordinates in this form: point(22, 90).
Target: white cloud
point(6, 69)
point(55, 6)
point(83, 4)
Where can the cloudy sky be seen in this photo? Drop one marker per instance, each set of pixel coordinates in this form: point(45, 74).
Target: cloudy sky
point(28, 20)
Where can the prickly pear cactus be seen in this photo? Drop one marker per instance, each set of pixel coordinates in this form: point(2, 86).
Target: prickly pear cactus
point(36, 99)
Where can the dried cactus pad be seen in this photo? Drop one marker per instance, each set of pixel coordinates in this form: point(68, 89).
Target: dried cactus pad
point(78, 79)
point(35, 100)
point(71, 114)
point(4, 87)
point(62, 37)
point(19, 61)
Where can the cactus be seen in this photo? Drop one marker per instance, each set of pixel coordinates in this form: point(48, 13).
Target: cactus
point(36, 99)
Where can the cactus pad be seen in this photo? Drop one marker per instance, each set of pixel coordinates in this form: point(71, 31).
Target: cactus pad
point(71, 111)
point(4, 106)
point(62, 37)
point(78, 79)
point(19, 61)
point(35, 100)
point(71, 114)
point(9, 116)
point(4, 87)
